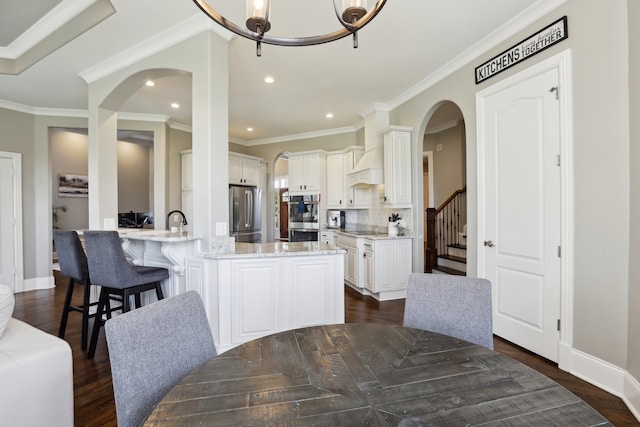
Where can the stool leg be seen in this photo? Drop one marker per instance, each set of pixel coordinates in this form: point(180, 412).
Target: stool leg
point(125, 301)
point(65, 309)
point(85, 314)
point(159, 294)
point(97, 323)
point(138, 300)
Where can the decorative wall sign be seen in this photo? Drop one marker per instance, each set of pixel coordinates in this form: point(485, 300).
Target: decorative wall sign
point(70, 185)
point(525, 49)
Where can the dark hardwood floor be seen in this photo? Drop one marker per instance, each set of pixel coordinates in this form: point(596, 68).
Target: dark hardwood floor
point(93, 392)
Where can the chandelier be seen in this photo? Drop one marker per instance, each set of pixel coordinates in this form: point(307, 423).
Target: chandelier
point(353, 15)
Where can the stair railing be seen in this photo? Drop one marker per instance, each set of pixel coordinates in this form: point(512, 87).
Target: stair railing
point(443, 226)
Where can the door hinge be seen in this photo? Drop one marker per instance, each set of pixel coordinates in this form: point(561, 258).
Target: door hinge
point(556, 90)
point(558, 324)
point(559, 251)
point(558, 160)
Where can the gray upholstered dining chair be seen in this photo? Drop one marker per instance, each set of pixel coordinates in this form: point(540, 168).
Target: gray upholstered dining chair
point(73, 264)
point(458, 306)
point(109, 268)
point(152, 348)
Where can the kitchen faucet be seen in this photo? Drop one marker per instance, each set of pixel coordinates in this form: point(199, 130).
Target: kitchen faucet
point(184, 218)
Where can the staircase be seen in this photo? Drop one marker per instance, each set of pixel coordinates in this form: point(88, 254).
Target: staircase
point(446, 232)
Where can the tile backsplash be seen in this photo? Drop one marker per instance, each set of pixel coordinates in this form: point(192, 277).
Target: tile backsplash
point(377, 216)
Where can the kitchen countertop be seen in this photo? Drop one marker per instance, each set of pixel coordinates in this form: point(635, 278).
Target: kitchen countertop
point(369, 234)
point(152, 235)
point(277, 249)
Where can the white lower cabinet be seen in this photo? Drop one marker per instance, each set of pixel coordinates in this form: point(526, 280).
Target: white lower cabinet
point(312, 298)
point(247, 298)
point(256, 299)
point(329, 237)
point(352, 260)
point(387, 265)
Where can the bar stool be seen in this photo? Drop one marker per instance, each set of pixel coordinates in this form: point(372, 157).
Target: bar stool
point(73, 264)
point(108, 267)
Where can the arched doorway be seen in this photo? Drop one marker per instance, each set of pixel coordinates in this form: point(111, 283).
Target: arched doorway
point(444, 190)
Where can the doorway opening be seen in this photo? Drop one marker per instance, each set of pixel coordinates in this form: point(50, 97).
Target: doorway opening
point(444, 196)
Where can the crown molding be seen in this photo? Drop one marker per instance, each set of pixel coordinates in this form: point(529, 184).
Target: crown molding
point(142, 117)
point(306, 135)
point(59, 26)
point(441, 127)
point(181, 127)
point(21, 108)
point(504, 32)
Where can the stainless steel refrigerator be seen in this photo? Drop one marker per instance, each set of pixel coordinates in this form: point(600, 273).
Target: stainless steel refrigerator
point(244, 213)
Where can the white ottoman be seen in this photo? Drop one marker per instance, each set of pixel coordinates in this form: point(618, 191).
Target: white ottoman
point(36, 377)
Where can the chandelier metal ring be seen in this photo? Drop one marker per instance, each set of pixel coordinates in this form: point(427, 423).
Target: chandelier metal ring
point(349, 28)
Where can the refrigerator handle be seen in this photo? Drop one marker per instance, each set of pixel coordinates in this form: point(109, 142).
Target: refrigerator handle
point(250, 210)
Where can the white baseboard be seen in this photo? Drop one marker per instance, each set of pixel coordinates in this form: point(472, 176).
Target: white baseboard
point(632, 395)
point(38, 283)
point(602, 374)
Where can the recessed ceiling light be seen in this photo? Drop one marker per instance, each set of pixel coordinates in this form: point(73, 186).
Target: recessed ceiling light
point(175, 105)
point(269, 79)
point(249, 129)
point(150, 83)
point(329, 115)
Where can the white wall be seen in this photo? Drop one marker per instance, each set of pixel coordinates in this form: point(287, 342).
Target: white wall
point(601, 140)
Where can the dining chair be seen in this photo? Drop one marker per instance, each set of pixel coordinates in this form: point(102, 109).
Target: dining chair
point(458, 306)
point(152, 348)
point(73, 264)
point(109, 268)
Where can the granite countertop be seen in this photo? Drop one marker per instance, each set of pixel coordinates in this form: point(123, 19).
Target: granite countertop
point(277, 249)
point(152, 235)
point(371, 234)
point(158, 236)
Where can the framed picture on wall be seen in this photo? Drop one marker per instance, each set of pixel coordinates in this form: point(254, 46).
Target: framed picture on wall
point(70, 185)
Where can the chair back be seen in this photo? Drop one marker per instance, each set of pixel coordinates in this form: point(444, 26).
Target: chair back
point(71, 255)
point(152, 348)
point(457, 306)
point(108, 265)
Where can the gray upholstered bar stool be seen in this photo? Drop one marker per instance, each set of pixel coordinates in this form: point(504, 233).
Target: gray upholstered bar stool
point(73, 264)
point(108, 267)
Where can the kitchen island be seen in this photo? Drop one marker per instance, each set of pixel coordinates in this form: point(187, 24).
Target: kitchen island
point(158, 248)
point(254, 289)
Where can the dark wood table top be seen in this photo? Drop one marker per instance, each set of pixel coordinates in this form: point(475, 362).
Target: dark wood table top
point(368, 374)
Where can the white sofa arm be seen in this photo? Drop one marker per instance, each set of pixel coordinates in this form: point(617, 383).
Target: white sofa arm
point(36, 373)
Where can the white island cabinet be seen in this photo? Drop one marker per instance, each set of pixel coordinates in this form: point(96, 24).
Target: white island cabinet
point(262, 288)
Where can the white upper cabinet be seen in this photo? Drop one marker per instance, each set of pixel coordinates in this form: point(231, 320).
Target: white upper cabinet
point(243, 170)
point(335, 181)
point(397, 167)
point(307, 172)
point(340, 195)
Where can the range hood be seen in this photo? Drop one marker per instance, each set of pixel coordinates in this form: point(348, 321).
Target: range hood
point(370, 169)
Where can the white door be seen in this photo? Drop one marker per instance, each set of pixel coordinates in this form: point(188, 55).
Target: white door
point(520, 182)
point(10, 236)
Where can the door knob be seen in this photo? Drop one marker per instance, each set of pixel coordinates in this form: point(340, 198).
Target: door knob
point(488, 243)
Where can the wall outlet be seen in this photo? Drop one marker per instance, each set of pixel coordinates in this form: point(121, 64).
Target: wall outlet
point(221, 229)
point(109, 223)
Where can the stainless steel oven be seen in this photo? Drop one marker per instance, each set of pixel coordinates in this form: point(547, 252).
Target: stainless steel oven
point(303, 235)
point(304, 218)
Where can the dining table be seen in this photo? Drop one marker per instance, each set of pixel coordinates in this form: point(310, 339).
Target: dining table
point(367, 374)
